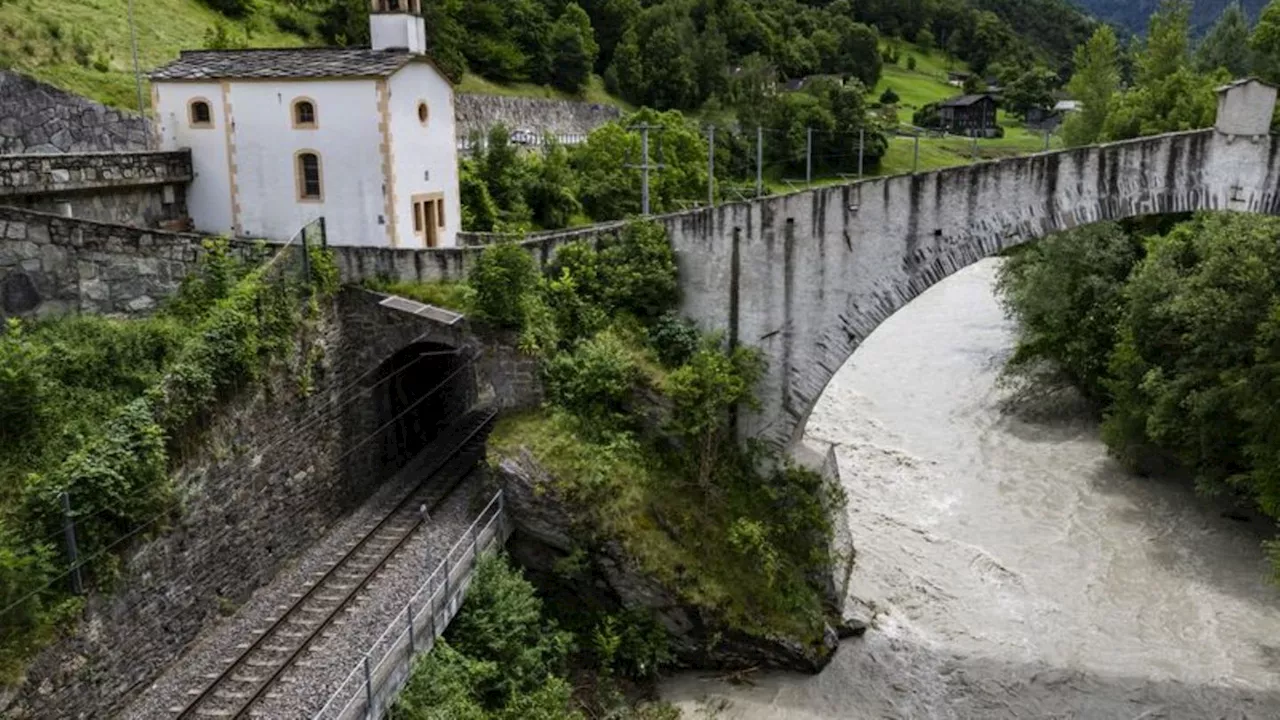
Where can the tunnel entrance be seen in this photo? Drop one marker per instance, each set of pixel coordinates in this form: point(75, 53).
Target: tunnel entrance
point(419, 392)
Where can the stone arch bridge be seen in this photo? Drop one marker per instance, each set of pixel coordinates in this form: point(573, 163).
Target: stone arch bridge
point(806, 277)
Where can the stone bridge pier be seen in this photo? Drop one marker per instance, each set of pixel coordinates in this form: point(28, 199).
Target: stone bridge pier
point(806, 277)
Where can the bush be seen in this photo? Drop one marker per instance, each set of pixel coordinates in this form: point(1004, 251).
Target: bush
point(499, 659)
point(702, 393)
point(594, 380)
point(911, 63)
point(640, 272)
point(233, 8)
point(21, 381)
point(632, 643)
point(889, 97)
point(503, 278)
point(927, 117)
point(676, 339)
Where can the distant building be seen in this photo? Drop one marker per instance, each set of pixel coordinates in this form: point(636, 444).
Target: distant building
point(1051, 119)
point(956, 78)
point(361, 136)
point(969, 115)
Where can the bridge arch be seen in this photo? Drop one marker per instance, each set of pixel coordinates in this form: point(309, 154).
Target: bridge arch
point(806, 277)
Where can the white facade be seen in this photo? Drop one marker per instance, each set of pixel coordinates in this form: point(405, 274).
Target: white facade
point(209, 195)
point(385, 144)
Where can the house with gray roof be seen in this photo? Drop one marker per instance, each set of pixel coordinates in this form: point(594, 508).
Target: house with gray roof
point(363, 137)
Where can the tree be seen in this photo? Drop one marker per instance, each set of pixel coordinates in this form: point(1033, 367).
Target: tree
point(550, 188)
point(1265, 42)
point(504, 276)
point(573, 49)
point(1094, 85)
point(861, 58)
point(1226, 45)
point(888, 97)
point(1066, 292)
point(1031, 89)
point(1166, 48)
point(925, 40)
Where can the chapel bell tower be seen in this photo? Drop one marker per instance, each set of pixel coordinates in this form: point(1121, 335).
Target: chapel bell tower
point(397, 25)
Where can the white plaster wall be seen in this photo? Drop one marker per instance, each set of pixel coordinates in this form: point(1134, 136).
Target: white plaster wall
point(424, 152)
point(209, 196)
point(1246, 109)
point(397, 30)
point(347, 140)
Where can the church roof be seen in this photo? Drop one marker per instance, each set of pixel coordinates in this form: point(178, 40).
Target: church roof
point(285, 64)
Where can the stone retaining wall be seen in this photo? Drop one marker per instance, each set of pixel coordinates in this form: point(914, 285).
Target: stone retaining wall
point(53, 265)
point(39, 174)
point(478, 113)
point(39, 118)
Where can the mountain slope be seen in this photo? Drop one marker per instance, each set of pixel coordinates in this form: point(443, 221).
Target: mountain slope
point(1133, 14)
point(83, 46)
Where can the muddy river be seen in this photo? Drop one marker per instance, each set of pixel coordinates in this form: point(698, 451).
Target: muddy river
point(1010, 568)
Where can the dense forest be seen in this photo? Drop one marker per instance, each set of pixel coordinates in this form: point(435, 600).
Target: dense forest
point(1132, 14)
point(676, 54)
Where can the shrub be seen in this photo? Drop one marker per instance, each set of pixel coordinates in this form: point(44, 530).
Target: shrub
point(703, 392)
point(676, 339)
point(233, 8)
point(927, 116)
point(889, 97)
point(639, 272)
point(21, 380)
point(594, 380)
point(911, 63)
point(633, 643)
point(576, 316)
point(504, 276)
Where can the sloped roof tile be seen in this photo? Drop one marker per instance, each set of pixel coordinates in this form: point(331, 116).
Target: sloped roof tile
point(284, 64)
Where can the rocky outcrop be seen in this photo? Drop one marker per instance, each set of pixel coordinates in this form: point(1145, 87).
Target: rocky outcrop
point(545, 533)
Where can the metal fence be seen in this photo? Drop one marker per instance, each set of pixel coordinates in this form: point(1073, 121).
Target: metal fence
point(372, 685)
point(529, 140)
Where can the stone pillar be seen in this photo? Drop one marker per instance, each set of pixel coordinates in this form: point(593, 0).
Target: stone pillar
point(1245, 107)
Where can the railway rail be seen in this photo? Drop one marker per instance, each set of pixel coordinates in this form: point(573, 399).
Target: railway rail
point(236, 690)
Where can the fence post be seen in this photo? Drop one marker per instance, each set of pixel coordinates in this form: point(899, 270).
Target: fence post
point(862, 136)
point(475, 545)
point(324, 234)
point(759, 160)
point(975, 146)
point(368, 688)
point(808, 156)
point(915, 162)
point(711, 169)
point(413, 645)
point(306, 259)
point(69, 530)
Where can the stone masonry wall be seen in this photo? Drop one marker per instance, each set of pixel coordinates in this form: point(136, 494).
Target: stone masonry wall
point(39, 118)
point(52, 265)
point(147, 206)
point(276, 470)
point(478, 113)
point(143, 189)
point(57, 173)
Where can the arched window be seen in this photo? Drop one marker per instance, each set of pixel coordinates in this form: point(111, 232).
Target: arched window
point(200, 112)
point(309, 176)
point(424, 113)
point(304, 114)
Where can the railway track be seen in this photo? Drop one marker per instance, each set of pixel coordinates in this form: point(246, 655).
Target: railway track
point(247, 680)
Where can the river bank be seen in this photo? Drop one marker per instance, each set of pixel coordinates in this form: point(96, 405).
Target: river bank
point(1012, 568)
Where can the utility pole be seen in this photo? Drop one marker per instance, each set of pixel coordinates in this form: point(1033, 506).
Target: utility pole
point(862, 136)
point(975, 147)
point(759, 161)
point(644, 165)
point(1047, 134)
point(711, 168)
point(137, 72)
point(808, 157)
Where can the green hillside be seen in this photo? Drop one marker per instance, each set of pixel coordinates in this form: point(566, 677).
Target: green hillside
point(83, 46)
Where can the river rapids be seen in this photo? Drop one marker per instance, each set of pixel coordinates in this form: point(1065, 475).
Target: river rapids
point(1009, 567)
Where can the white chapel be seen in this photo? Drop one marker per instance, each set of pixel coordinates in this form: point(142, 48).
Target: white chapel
point(361, 136)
